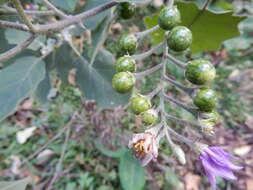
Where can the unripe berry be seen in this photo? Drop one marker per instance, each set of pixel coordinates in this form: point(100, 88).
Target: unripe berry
point(200, 72)
point(125, 63)
point(126, 10)
point(128, 43)
point(180, 38)
point(169, 18)
point(140, 103)
point(123, 82)
point(205, 99)
point(149, 117)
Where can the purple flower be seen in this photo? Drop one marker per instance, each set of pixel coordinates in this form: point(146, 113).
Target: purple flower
point(217, 162)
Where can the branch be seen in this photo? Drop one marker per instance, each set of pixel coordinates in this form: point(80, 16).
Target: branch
point(148, 72)
point(170, 3)
point(9, 10)
point(57, 11)
point(17, 49)
point(182, 121)
point(142, 34)
point(154, 92)
point(23, 15)
point(139, 57)
point(187, 90)
point(59, 25)
point(174, 60)
point(192, 110)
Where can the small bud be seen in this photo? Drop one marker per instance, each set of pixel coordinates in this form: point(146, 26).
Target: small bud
point(179, 153)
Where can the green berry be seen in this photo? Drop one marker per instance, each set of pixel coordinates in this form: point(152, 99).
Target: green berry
point(180, 38)
point(200, 72)
point(126, 10)
point(205, 99)
point(140, 104)
point(149, 117)
point(125, 63)
point(123, 82)
point(169, 18)
point(128, 43)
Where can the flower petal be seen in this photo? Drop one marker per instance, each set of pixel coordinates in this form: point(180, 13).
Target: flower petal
point(146, 160)
point(211, 178)
point(217, 170)
point(221, 158)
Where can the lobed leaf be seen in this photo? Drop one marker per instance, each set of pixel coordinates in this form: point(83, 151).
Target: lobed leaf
point(209, 28)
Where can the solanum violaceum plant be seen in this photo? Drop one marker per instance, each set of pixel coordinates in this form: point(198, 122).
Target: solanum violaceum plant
point(199, 72)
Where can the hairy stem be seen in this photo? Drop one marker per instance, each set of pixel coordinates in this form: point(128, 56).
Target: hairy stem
point(182, 121)
point(174, 60)
point(9, 10)
point(187, 90)
point(139, 57)
point(17, 49)
point(23, 15)
point(192, 110)
point(143, 34)
point(59, 25)
point(153, 93)
point(181, 138)
point(148, 72)
point(57, 11)
point(170, 3)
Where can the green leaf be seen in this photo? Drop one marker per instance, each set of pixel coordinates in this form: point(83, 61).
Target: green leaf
point(43, 89)
point(172, 179)
point(132, 174)
point(95, 82)
point(68, 5)
point(92, 22)
point(209, 28)
point(15, 185)
point(114, 154)
point(17, 37)
point(3, 2)
point(18, 81)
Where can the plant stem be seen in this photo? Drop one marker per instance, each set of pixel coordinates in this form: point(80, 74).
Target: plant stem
point(23, 15)
point(9, 10)
point(154, 92)
point(192, 110)
point(59, 25)
point(57, 11)
point(170, 3)
point(148, 72)
point(182, 121)
point(179, 137)
point(17, 49)
point(139, 57)
point(174, 60)
point(187, 90)
point(143, 34)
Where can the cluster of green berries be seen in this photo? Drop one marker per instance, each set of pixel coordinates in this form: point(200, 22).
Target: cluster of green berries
point(198, 72)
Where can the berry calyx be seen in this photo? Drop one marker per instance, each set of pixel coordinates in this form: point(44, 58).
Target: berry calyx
point(180, 38)
point(140, 103)
point(200, 72)
point(149, 117)
point(123, 82)
point(169, 18)
point(126, 10)
point(213, 117)
point(128, 43)
point(205, 99)
point(125, 63)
